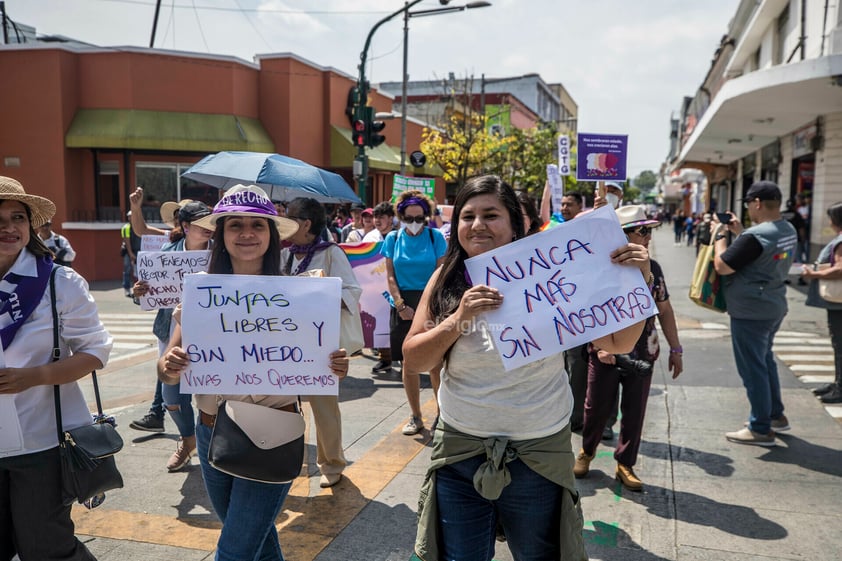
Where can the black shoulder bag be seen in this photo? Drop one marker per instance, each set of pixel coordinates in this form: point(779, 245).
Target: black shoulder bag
point(87, 453)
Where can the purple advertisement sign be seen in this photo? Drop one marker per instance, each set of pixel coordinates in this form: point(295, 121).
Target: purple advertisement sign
point(601, 157)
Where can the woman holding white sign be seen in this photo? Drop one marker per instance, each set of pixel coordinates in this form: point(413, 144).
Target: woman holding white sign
point(502, 447)
point(309, 252)
point(185, 236)
point(247, 241)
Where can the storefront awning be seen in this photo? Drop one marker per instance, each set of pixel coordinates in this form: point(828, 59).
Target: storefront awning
point(381, 158)
point(754, 110)
point(166, 130)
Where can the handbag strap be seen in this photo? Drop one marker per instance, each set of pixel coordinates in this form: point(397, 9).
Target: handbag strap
point(56, 354)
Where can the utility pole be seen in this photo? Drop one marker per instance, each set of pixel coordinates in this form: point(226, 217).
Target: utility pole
point(155, 24)
point(5, 28)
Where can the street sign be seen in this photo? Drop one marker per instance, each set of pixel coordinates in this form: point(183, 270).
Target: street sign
point(417, 159)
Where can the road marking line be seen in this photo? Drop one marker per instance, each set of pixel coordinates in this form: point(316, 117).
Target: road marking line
point(806, 358)
point(812, 368)
point(816, 379)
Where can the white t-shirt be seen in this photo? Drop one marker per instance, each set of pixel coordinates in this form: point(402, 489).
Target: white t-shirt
point(479, 398)
point(81, 332)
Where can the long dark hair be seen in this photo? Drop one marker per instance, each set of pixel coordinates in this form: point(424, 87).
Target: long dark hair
point(531, 211)
point(451, 282)
point(834, 212)
point(220, 262)
point(307, 208)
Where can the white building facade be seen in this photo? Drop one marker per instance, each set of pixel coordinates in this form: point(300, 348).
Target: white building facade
point(770, 108)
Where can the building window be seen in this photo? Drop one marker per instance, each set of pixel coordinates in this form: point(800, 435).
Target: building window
point(107, 193)
point(162, 182)
point(781, 31)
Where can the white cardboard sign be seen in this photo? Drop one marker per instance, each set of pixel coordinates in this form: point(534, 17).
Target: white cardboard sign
point(153, 243)
point(164, 271)
point(248, 334)
point(560, 288)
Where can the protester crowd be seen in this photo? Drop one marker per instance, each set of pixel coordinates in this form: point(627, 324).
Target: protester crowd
point(470, 497)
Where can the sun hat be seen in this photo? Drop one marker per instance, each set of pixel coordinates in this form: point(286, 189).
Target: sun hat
point(632, 216)
point(763, 190)
point(41, 210)
point(192, 211)
point(248, 200)
point(169, 208)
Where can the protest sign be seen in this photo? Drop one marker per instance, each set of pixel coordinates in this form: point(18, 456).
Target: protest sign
point(164, 271)
point(247, 334)
point(563, 155)
point(601, 157)
point(426, 185)
point(370, 269)
point(556, 187)
point(560, 289)
point(153, 243)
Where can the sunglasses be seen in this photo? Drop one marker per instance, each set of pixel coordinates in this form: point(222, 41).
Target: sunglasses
point(642, 231)
point(416, 219)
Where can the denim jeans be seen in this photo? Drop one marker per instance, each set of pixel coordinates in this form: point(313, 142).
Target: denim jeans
point(247, 509)
point(157, 406)
point(752, 340)
point(184, 417)
point(128, 271)
point(529, 509)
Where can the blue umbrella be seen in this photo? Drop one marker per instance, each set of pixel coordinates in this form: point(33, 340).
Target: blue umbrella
point(283, 178)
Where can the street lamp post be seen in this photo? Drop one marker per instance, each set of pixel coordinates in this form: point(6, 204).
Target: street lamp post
point(361, 161)
point(405, 78)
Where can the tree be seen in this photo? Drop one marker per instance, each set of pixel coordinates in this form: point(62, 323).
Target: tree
point(645, 181)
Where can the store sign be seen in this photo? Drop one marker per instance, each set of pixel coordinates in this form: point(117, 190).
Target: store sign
point(802, 141)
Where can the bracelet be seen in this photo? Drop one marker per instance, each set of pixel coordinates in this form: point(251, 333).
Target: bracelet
point(400, 308)
point(399, 302)
point(650, 280)
point(677, 350)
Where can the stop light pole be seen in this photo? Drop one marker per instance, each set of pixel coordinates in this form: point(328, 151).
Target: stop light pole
point(364, 113)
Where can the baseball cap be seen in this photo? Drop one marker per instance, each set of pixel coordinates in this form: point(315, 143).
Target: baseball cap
point(614, 184)
point(358, 206)
point(368, 211)
point(193, 211)
point(763, 190)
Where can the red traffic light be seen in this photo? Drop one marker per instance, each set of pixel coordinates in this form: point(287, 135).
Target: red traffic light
point(359, 133)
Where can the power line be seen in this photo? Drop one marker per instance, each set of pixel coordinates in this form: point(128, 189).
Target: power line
point(258, 10)
point(199, 23)
point(251, 23)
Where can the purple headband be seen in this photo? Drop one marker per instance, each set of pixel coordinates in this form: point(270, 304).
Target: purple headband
point(413, 201)
point(245, 201)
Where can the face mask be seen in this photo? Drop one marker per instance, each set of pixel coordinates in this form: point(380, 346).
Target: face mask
point(612, 199)
point(413, 227)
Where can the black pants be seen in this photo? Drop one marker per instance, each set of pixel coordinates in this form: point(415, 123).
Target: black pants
point(834, 324)
point(33, 521)
point(398, 327)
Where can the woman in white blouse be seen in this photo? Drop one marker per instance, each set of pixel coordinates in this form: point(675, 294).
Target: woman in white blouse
point(31, 505)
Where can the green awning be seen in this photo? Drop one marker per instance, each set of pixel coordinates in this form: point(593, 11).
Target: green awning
point(166, 130)
point(382, 158)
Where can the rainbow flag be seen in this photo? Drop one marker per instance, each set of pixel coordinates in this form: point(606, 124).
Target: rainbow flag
point(554, 221)
point(362, 253)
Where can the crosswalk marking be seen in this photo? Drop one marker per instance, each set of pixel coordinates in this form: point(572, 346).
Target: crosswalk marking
point(132, 332)
point(809, 356)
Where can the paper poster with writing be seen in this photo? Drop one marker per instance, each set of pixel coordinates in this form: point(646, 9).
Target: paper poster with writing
point(426, 185)
point(601, 157)
point(248, 334)
point(153, 243)
point(560, 289)
point(164, 271)
point(370, 269)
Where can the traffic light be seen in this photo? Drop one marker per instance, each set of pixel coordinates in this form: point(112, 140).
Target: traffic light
point(359, 133)
point(373, 128)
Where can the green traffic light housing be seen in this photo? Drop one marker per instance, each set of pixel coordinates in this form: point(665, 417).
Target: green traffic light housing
point(373, 138)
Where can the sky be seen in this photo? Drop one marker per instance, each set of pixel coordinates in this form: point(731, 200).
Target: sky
point(627, 63)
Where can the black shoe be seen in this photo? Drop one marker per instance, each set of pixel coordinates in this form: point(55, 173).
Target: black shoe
point(833, 396)
point(801, 281)
point(381, 367)
point(149, 423)
point(608, 433)
point(821, 390)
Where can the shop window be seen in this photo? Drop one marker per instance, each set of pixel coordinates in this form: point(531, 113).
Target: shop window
point(107, 193)
point(162, 182)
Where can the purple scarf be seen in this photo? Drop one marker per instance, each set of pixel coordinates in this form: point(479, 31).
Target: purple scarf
point(19, 296)
point(309, 251)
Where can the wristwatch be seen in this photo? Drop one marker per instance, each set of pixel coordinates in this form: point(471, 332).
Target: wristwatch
point(719, 237)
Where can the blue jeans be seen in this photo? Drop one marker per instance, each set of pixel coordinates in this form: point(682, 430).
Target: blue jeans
point(752, 340)
point(529, 509)
point(184, 417)
point(246, 508)
point(128, 271)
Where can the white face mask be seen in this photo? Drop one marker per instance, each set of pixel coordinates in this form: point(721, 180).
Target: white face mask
point(612, 199)
point(413, 227)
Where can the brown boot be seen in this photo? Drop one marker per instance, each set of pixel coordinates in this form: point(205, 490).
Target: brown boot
point(626, 476)
point(183, 452)
point(582, 465)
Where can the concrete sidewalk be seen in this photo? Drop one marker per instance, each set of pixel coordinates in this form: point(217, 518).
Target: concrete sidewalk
point(704, 497)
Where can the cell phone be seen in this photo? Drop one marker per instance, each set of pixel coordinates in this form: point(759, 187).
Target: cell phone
point(723, 217)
